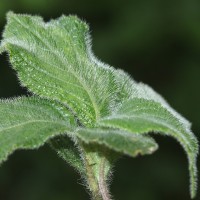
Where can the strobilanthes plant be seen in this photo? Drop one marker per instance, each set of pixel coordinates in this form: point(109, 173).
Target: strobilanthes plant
point(89, 112)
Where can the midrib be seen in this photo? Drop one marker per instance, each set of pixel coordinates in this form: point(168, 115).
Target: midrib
point(86, 88)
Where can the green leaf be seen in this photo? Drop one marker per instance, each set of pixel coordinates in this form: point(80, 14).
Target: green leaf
point(54, 61)
point(130, 89)
point(68, 150)
point(27, 123)
point(120, 141)
point(143, 115)
point(98, 155)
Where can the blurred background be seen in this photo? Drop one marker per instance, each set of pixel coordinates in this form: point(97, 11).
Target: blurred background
point(158, 43)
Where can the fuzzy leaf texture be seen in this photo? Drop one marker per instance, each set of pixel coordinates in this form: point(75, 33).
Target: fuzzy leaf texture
point(54, 61)
point(27, 123)
point(68, 151)
point(51, 60)
point(143, 116)
point(121, 141)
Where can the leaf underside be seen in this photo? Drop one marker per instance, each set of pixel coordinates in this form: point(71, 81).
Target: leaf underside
point(54, 61)
point(67, 150)
point(121, 141)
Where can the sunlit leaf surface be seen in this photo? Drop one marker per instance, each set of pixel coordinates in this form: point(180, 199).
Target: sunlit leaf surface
point(103, 105)
point(27, 123)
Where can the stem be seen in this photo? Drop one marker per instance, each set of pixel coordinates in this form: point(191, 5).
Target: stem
point(98, 185)
point(97, 167)
point(102, 182)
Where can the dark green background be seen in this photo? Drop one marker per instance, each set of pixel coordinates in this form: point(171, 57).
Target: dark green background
point(158, 42)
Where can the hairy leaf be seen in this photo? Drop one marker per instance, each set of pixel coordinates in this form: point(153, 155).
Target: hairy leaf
point(143, 115)
point(53, 60)
point(68, 150)
point(27, 123)
point(120, 141)
point(130, 89)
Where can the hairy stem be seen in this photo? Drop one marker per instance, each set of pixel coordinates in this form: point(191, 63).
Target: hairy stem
point(98, 185)
point(102, 182)
point(97, 167)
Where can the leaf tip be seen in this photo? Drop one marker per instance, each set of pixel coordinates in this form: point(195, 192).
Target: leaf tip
point(193, 191)
point(193, 182)
point(10, 14)
point(153, 148)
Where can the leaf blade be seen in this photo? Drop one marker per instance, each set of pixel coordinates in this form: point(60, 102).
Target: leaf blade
point(143, 115)
point(27, 123)
point(57, 51)
point(120, 141)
